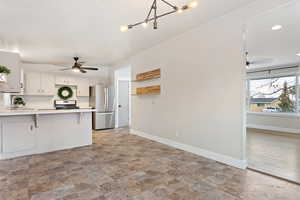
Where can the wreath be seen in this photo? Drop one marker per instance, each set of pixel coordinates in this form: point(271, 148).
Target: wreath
point(65, 93)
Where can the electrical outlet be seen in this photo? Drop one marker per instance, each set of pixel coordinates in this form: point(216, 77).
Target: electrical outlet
point(177, 133)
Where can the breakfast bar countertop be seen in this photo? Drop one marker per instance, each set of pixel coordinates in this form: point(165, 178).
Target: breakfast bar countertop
point(16, 112)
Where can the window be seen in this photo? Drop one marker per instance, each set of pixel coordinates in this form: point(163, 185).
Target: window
point(261, 105)
point(276, 94)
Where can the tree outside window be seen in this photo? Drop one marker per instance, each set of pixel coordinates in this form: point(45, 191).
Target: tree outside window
point(273, 94)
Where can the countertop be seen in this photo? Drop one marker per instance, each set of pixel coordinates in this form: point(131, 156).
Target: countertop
point(9, 112)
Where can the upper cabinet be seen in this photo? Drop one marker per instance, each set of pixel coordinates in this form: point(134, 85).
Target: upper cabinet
point(83, 87)
point(12, 61)
point(64, 80)
point(32, 83)
point(46, 84)
point(39, 84)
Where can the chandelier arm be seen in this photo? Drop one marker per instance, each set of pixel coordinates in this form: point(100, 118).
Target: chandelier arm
point(155, 15)
point(150, 11)
point(151, 19)
point(169, 4)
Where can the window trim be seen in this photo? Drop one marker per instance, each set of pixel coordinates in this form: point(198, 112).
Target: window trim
point(297, 87)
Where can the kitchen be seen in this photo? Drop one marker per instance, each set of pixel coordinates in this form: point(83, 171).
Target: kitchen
point(45, 109)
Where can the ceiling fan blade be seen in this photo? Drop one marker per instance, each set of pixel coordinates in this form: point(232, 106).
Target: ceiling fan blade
point(89, 68)
point(65, 69)
point(82, 71)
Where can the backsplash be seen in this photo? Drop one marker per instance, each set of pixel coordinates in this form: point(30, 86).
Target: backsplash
point(45, 102)
point(48, 101)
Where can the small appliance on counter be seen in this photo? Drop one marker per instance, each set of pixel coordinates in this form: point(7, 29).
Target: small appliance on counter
point(65, 104)
point(102, 99)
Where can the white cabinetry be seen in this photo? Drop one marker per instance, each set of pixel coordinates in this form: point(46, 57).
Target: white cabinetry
point(47, 84)
point(22, 135)
point(32, 83)
point(11, 61)
point(64, 80)
point(39, 84)
point(82, 87)
point(18, 134)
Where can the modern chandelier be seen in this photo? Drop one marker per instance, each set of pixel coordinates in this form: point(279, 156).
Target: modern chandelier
point(156, 16)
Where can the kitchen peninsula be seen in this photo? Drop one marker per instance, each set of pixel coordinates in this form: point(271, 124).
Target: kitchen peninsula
point(27, 132)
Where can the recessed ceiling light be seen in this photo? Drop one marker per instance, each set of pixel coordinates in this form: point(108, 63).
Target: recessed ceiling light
point(298, 54)
point(276, 27)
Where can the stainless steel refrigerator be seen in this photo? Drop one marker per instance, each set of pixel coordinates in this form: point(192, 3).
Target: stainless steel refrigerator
point(103, 100)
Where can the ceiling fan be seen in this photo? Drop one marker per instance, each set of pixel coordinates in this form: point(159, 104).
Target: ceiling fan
point(77, 67)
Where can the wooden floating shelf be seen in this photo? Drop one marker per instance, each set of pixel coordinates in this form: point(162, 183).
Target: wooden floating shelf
point(145, 79)
point(155, 89)
point(154, 74)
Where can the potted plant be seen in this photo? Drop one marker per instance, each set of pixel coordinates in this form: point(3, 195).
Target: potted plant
point(19, 102)
point(4, 71)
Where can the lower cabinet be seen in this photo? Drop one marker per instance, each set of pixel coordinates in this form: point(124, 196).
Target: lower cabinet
point(35, 134)
point(18, 134)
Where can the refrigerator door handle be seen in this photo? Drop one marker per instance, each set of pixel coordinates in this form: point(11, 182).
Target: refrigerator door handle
point(107, 99)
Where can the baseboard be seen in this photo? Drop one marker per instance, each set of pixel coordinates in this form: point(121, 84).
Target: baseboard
point(242, 164)
point(273, 128)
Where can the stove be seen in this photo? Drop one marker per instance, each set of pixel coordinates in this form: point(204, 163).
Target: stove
point(65, 104)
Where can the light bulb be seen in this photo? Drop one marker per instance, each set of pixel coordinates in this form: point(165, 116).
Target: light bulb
point(298, 54)
point(193, 4)
point(76, 70)
point(276, 27)
point(179, 10)
point(124, 28)
point(16, 51)
point(145, 24)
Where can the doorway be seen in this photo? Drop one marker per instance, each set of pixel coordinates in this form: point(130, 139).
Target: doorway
point(123, 97)
point(123, 103)
point(273, 92)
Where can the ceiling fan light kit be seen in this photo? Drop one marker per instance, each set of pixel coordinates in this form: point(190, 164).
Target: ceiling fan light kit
point(77, 67)
point(155, 17)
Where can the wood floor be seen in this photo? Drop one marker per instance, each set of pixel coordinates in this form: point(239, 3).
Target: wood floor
point(122, 166)
point(275, 153)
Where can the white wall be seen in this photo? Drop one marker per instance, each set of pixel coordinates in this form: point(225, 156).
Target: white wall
point(289, 123)
point(12, 61)
point(202, 100)
point(96, 77)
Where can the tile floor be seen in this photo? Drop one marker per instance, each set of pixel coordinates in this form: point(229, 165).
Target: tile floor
point(120, 166)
